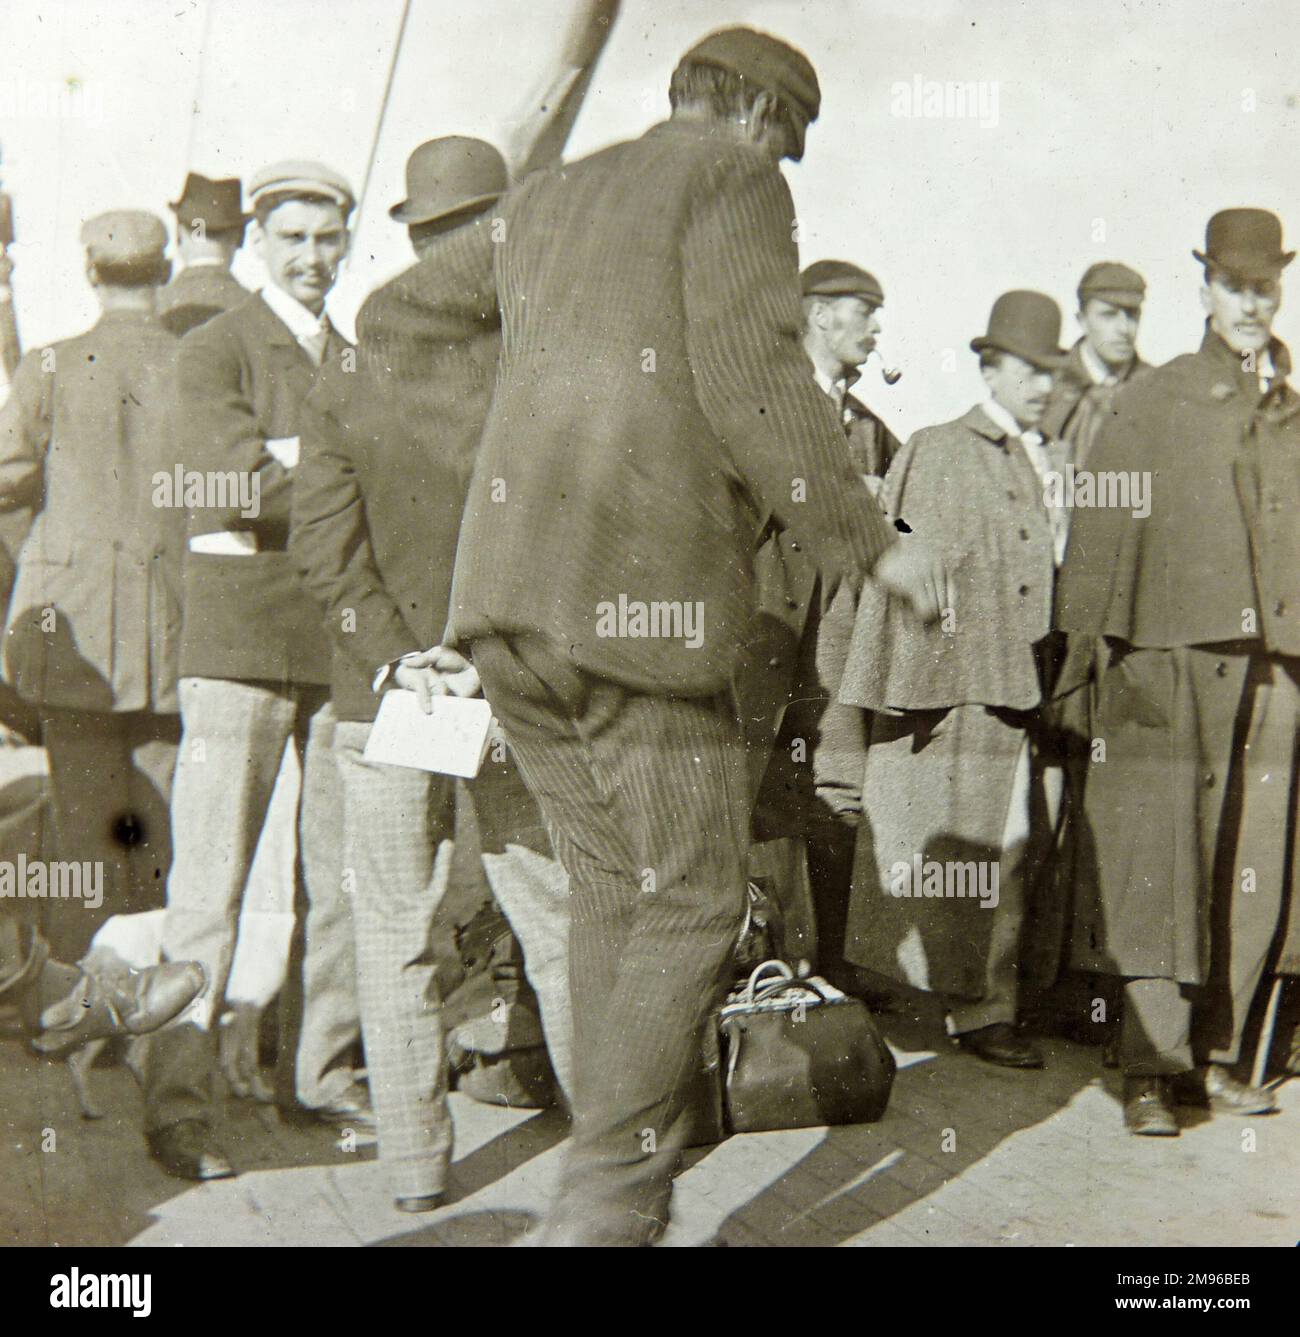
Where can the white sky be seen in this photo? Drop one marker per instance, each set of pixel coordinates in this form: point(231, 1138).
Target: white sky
point(1136, 113)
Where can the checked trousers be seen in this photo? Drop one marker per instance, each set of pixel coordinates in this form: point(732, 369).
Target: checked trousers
point(647, 803)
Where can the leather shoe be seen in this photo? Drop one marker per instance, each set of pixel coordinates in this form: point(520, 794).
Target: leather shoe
point(132, 1003)
point(189, 1151)
point(1147, 1111)
point(1001, 1044)
point(350, 1110)
point(1213, 1086)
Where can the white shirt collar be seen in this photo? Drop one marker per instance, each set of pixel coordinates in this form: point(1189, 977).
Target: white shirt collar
point(1097, 370)
point(205, 262)
point(302, 324)
point(1004, 419)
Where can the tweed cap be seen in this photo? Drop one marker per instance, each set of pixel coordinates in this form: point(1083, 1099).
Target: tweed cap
point(125, 239)
point(301, 177)
point(766, 61)
point(838, 278)
point(1109, 281)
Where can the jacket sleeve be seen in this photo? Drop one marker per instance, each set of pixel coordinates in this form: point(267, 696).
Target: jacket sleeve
point(329, 537)
point(24, 434)
point(217, 412)
point(752, 376)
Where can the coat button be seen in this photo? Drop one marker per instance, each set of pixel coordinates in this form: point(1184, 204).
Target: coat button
point(1024, 589)
point(794, 547)
point(1221, 669)
point(791, 603)
point(1208, 777)
point(774, 662)
point(1024, 534)
point(1011, 496)
point(1280, 607)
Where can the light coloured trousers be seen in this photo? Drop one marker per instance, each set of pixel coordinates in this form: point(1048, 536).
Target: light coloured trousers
point(398, 825)
point(231, 748)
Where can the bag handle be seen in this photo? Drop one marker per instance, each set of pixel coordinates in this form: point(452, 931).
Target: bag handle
point(784, 972)
point(775, 987)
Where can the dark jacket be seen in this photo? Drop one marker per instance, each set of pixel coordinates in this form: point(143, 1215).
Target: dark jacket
point(387, 454)
point(94, 622)
point(1187, 573)
point(1078, 407)
point(1175, 606)
point(197, 294)
point(871, 444)
point(654, 403)
point(242, 380)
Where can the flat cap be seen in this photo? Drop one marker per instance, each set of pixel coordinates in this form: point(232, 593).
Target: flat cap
point(838, 278)
point(300, 176)
point(1112, 282)
point(125, 239)
point(766, 61)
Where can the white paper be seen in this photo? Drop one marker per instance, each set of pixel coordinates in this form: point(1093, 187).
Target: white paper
point(284, 449)
point(225, 543)
point(453, 740)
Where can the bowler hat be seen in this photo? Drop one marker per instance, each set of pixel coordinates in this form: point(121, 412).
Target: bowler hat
point(838, 278)
point(1109, 281)
point(1247, 243)
point(767, 62)
point(1027, 324)
point(447, 175)
point(216, 203)
point(129, 242)
point(298, 176)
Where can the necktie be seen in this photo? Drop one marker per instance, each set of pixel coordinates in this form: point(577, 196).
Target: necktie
point(314, 344)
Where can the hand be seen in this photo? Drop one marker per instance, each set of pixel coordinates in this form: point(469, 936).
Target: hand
point(238, 1050)
point(845, 804)
point(436, 672)
point(909, 570)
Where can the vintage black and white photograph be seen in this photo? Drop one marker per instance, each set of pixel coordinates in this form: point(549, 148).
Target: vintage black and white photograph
point(650, 623)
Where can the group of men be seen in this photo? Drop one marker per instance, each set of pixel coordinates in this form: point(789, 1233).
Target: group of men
point(611, 385)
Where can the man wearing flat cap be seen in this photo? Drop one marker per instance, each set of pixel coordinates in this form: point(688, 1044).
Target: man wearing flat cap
point(94, 622)
point(1194, 612)
point(1110, 308)
point(959, 761)
point(653, 405)
point(255, 674)
point(807, 750)
point(387, 454)
point(210, 224)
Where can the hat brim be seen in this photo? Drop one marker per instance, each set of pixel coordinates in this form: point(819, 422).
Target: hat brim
point(1126, 301)
point(1247, 267)
point(411, 211)
point(873, 300)
point(1034, 356)
point(186, 218)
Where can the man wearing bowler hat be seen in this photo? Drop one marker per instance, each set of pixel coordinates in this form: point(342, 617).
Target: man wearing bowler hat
point(387, 454)
point(1110, 309)
point(1194, 609)
point(448, 182)
point(210, 223)
point(653, 405)
point(959, 761)
point(93, 631)
point(255, 674)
